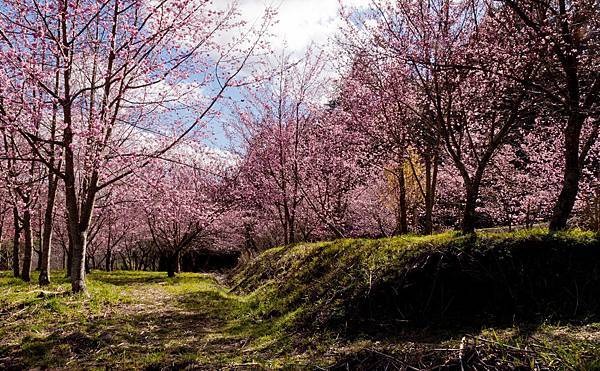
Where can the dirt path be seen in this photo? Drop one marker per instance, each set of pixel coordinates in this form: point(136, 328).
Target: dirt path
point(131, 320)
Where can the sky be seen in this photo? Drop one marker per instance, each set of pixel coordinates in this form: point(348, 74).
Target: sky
point(300, 24)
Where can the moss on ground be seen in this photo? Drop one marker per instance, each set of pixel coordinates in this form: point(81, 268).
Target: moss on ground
point(290, 306)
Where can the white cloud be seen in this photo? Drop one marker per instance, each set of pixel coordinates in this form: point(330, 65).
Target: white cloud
point(298, 25)
point(300, 22)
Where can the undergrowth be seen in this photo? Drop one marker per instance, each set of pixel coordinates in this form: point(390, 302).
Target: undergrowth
point(531, 275)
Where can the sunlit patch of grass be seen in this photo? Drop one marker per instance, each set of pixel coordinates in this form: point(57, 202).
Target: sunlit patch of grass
point(36, 321)
point(557, 346)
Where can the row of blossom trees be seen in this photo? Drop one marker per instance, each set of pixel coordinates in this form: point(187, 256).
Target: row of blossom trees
point(93, 91)
point(456, 114)
point(476, 77)
point(428, 115)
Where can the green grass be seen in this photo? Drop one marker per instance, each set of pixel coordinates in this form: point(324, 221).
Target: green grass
point(134, 320)
point(320, 278)
point(276, 311)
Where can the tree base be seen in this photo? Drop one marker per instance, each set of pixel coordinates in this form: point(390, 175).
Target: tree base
point(78, 287)
point(44, 279)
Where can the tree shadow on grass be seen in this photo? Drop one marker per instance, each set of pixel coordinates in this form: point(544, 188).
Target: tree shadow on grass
point(202, 329)
point(173, 332)
point(128, 342)
point(9, 281)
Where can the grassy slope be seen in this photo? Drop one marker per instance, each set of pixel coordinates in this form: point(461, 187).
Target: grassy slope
point(386, 293)
point(328, 279)
point(279, 312)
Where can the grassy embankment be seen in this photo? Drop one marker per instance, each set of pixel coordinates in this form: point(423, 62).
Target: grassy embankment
point(524, 298)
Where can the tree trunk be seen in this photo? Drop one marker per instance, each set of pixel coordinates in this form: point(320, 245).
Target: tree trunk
point(596, 211)
point(292, 233)
point(402, 218)
point(572, 135)
point(428, 227)
point(178, 262)
point(469, 215)
point(47, 232)
point(16, 242)
point(108, 260)
point(572, 175)
point(429, 196)
point(28, 251)
point(38, 263)
point(3, 256)
point(172, 265)
point(78, 263)
point(428, 222)
point(124, 265)
point(69, 257)
point(79, 214)
point(565, 202)
point(286, 222)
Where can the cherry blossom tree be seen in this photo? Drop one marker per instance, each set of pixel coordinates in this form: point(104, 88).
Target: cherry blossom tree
point(23, 180)
point(274, 124)
point(453, 58)
point(112, 70)
point(566, 33)
point(181, 202)
point(374, 97)
point(426, 115)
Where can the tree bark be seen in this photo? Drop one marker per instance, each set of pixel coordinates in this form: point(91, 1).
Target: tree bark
point(572, 174)
point(579, 108)
point(428, 196)
point(3, 256)
point(47, 232)
point(16, 242)
point(172, 265)
point(28, 250)
point(109, 259)
point(38, 265)
point(469, 215)
point(69, 257)
point(292, 230)
point(403, 219)
point(78, 213)
point(78, 263)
